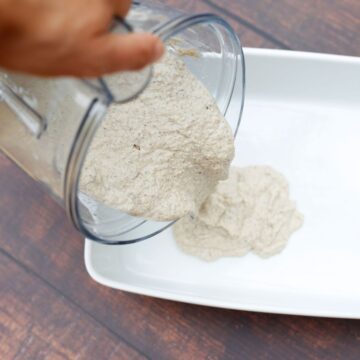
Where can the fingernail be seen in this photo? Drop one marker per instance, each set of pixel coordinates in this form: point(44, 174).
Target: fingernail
point(159, 50)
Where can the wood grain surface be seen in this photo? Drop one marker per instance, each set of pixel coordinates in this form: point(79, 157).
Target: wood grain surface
point(51, 309)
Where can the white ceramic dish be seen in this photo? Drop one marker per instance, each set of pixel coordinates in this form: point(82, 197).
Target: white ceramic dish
point(302, 116)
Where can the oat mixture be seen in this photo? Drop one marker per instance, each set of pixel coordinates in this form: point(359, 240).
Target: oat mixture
point(250, 211)
point(160, 155)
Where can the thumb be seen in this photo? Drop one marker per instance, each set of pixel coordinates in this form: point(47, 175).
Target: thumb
point(114, 52)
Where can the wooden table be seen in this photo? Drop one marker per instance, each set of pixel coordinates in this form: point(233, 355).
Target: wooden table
point(51, 309)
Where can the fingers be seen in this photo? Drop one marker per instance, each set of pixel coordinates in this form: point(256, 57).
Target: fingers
point(106, 54)
point(121, 7)
point(111, 53)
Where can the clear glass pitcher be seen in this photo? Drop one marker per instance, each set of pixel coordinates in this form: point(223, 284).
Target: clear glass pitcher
point(47, 125)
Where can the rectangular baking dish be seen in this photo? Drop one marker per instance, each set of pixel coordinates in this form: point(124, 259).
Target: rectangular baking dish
point(302, 117)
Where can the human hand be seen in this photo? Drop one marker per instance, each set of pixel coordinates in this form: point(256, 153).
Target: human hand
point(71, 38)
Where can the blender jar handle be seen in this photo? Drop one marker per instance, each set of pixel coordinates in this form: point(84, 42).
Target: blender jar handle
point(34, 122)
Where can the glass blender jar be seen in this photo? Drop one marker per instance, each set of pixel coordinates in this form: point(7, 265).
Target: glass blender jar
point(47, 125)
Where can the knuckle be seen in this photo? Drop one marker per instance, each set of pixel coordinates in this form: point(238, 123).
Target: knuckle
point(49, 32)
point(122, 7)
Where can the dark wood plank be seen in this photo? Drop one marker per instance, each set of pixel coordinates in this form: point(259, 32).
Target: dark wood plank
point(248, 37)
point(331, 26)
point(36, 322)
